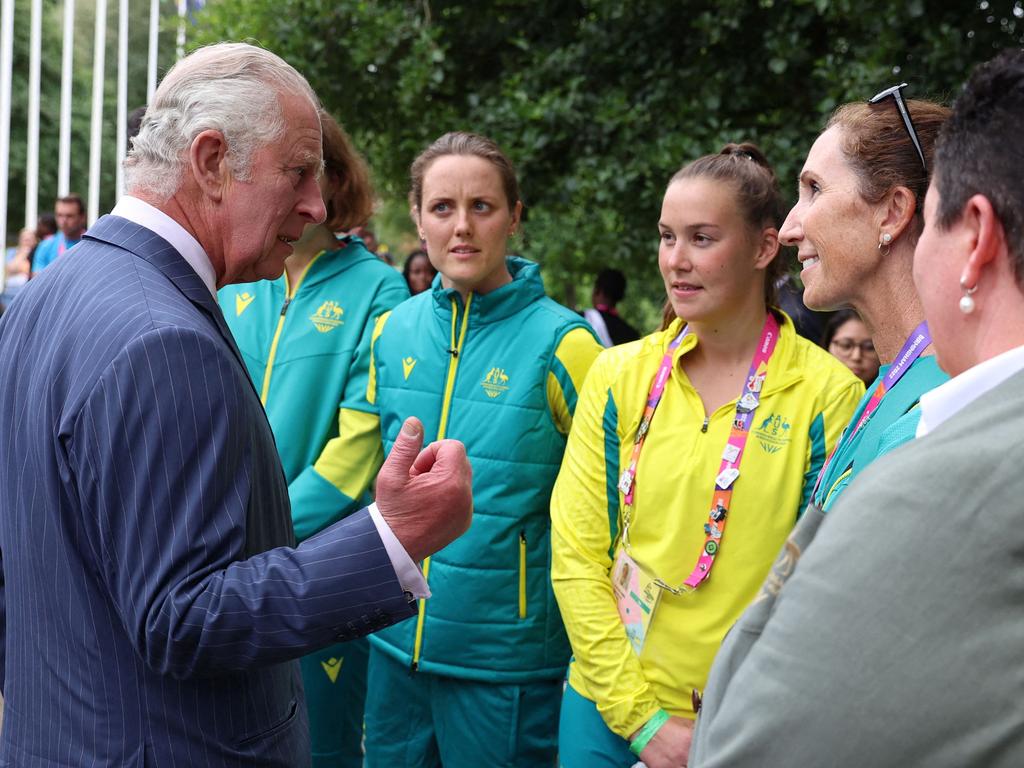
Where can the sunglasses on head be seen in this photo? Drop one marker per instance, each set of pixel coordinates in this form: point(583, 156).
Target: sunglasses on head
point(901, 105)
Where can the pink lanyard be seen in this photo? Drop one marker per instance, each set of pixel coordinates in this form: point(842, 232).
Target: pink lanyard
point(732, 455)
point(912, 348)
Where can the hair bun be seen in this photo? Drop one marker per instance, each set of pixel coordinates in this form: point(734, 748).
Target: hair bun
point(748, 150)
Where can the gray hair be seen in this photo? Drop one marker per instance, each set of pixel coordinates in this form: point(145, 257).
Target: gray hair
point(233, 88)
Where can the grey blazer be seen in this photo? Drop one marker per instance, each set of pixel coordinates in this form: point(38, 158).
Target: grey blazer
point(899, 638)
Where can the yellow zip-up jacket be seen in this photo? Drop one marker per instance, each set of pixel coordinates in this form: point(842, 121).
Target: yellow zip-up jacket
point(808, 398)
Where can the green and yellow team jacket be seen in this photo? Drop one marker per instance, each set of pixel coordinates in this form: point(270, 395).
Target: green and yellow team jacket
point(808, 399)
point(307, 348)
point(499, 372)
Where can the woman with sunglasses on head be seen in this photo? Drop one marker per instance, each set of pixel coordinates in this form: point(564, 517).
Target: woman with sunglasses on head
point(722, 417)
point(848, 339)
point(855, 226)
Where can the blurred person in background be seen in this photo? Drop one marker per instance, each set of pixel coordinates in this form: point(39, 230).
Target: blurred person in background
point(305, 339)
point(70, 214)
point(609, 290)
point(847, 338)
point(418, 271)
point(18, 265)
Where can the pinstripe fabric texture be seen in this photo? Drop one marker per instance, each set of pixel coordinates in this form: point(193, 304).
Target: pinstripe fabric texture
point(153, 598)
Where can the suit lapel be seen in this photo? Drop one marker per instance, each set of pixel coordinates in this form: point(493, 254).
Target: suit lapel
point(149, 246)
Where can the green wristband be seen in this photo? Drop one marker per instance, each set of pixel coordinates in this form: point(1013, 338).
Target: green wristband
point(643, 737)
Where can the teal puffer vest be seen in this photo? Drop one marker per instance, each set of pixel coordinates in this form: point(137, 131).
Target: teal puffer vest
point(492, 615)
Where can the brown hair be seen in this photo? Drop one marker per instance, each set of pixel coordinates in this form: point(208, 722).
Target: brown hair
point(351, 205)
point(758, 198)
point(462, 143)
point(72, 199)
point(876, 144)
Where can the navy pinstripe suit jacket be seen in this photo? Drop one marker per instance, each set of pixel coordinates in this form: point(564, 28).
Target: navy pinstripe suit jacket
point(152, 595)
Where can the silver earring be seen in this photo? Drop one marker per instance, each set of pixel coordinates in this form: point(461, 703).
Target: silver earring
point(966, 302)
point(885, 244)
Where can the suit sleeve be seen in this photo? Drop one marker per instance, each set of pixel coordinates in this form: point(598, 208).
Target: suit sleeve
point(164, 465)
point(334, 485)
point(584, 524)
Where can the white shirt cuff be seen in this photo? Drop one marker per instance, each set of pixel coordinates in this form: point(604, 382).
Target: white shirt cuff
point(410, 577)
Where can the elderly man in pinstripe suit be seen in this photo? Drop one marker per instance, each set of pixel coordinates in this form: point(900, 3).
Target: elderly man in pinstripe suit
point(153, 598)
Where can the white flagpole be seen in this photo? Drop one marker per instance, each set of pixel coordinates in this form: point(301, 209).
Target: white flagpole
point(64, 154)
point(154, 38)
point(32, 159)
point(122, 94)
point(182, 13)
point(96, 132)
point(6, 71)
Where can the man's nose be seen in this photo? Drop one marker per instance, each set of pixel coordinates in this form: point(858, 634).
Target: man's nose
point(311, 203)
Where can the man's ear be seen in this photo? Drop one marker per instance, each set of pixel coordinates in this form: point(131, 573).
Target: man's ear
point(209, 165)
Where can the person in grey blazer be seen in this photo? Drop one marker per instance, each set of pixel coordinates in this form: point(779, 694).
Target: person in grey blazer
point(153, 599)
point(897, 639)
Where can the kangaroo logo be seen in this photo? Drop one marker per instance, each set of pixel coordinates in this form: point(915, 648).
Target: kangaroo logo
point(773, 433)
point(495, 382)
point(328, 317)
point(242, 302)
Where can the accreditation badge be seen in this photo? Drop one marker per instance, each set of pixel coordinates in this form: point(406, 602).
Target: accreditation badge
point(637, 596)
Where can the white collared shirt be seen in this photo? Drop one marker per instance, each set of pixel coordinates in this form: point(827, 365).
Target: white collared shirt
point(959, 392)
point(145, 215)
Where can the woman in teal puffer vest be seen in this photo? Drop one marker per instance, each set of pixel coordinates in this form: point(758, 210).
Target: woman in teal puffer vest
point(486, 358)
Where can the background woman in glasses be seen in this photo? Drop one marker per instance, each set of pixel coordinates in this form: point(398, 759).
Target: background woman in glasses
point(735, 390)
point(848, 339)
point(855, 226)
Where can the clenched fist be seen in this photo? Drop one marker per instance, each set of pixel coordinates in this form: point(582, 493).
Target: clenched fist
point(426, 497)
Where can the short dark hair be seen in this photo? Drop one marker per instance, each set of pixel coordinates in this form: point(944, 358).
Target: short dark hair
point(835, 322)
point(413, 255)
point(979, 151)
point(74, 200)
point(134, 122)
point(612, 283)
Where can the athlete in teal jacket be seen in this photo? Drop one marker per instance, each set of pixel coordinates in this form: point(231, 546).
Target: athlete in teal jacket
point(500, 372)
point(307, 348)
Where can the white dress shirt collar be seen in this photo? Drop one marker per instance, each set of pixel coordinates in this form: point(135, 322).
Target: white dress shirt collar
point(956, 394)
point(155, 220)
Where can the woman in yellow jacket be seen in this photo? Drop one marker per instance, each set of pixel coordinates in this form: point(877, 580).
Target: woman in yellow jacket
point(720, 420)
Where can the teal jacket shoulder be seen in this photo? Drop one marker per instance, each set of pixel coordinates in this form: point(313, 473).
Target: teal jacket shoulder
point(302, 343)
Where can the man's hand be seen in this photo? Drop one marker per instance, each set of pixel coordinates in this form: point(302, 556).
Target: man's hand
point(670, 747)
point(426, 497)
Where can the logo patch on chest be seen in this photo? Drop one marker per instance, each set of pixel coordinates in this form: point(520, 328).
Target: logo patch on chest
point(328, 317)
point(408, 363)
point(242, 302)
point(331, 668)
point(773, 432)
point(495, 382)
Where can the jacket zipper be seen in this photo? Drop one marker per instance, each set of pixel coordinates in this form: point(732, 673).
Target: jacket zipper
point(455, 350)
point(289, 294)
point(522, 574)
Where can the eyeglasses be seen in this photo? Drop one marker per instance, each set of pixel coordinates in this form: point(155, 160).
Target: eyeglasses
point(846, 346)
point(901, 105)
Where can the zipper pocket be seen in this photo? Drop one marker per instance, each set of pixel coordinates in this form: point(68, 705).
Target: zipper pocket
point(522, 574)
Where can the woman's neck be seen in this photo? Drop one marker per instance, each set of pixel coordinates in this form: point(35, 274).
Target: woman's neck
point(730, 341)
point(889, 306)
point(314, 240)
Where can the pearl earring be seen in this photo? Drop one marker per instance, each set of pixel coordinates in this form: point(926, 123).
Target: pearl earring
point(966, 302)
point(885, 244)
point(886, 238)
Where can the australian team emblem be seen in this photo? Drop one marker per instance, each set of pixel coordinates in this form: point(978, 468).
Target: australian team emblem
point(328, 316)
point(495, 382)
